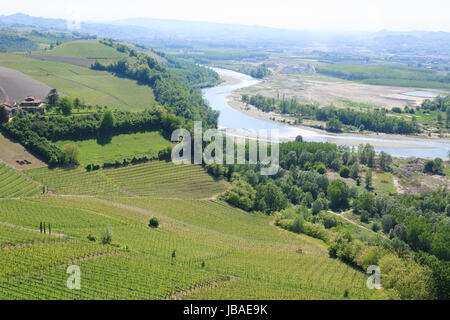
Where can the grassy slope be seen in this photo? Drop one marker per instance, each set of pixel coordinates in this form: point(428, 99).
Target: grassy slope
point(95, 87)
point(12, 184)
point(154, 179)
point(85, 49)
point(124, 146)
point(243, 255)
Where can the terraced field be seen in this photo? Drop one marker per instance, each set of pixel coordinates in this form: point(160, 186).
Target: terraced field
point(74, 181)
point(13, 184)
point(156, 179)
point(165, 179)
point(227, 254)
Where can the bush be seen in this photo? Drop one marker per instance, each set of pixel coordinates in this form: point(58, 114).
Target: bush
point(375, 227)
point(71, 154)
point(344, 172)
point(107, 236)
point(154, 222)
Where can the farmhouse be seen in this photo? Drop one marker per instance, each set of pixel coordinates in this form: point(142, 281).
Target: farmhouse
point(10, 107)
point(32, 105)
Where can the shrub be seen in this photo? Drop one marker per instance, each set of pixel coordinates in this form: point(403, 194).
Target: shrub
point(154, 222)
point(107, 236)
point(344, 172)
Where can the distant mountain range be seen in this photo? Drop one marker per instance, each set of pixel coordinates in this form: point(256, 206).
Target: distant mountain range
point(188, 33)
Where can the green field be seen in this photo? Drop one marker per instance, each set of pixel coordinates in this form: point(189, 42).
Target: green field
point(383, 183)
point(12, 184)
point(227, 254)
point(85, 49)
point(124, 146)
point(93, 87)
point(388, 75)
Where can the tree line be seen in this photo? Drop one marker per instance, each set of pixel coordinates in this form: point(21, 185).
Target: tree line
point(169, 90)
point(376, 121)
point(37, 132)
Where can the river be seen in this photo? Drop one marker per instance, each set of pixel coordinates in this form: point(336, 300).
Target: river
point(242, 123)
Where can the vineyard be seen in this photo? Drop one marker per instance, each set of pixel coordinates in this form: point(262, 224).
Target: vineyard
point(157, 179)
point(202, 249)
point(13, 184)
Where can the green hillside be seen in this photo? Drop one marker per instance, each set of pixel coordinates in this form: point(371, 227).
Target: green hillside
point(153, 179)
point(244, 252)
point(94, 87)
point(124, 146)
point(12, 184)
point(85, 49)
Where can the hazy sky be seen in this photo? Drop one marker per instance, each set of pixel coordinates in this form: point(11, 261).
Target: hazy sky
point(293, 14)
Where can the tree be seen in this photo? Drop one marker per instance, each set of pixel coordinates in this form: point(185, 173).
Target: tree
point(368, 180)
point(77, 103)
point(435, 166)
point(344, 172)
point(107, 236)
point(154, 222)
point(364, 203)
point(52, 98)
point(71, 154)
point(367, 155)
point(107, 123)
point(447, 119)
point(4, 117)
point(65, 106)
point(354, 170)
point(385, 161)
point(334, 125)
point(274, 198)
point(440, 245)
point(338, 193)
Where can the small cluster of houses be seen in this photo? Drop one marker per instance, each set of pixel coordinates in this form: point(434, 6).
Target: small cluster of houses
point(29, 105)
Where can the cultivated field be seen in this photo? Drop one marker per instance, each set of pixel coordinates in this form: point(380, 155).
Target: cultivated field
point(153, 179)
point(85, 49)
point(94, 87)
point(16, 85)
point(226, 254)
point(13, 184)
point(124, 146)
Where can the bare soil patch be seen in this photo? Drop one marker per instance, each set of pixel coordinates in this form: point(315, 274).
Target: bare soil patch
point(325, 91)
point(17, 85)
point(411, 180)
point(17, 156)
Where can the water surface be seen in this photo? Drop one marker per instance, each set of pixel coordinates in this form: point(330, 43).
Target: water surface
point(242, 123)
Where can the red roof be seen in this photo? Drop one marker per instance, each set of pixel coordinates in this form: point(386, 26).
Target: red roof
point(31, 99)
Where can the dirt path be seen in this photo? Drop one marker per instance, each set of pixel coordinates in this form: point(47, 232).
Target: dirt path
point(29, 229)
point(397, 185)
point(353, 222)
